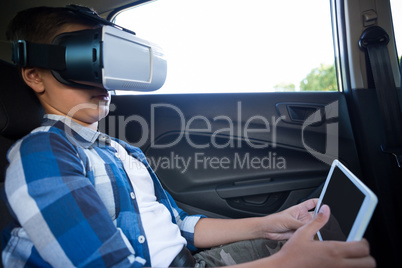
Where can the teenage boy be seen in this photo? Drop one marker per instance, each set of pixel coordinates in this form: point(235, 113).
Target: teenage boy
point(81, 198)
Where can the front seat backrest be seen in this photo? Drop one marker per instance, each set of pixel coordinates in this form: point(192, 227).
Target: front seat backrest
point(20, 112)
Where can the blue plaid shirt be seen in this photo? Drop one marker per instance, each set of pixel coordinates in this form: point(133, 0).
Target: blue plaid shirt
point(70, 214)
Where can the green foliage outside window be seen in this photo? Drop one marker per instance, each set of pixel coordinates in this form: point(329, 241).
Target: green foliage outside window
point(322, 78)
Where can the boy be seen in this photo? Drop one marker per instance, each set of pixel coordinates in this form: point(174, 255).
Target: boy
point(81, 198)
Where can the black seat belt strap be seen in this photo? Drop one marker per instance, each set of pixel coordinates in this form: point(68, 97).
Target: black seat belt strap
point(375, 40)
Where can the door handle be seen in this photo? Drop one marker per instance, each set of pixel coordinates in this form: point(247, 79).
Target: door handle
point(298, 113)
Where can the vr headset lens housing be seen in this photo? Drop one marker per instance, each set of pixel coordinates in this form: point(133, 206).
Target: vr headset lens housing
point(105, 57)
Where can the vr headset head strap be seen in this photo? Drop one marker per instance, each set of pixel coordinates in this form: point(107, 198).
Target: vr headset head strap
point(39, 55)
point(92, 15)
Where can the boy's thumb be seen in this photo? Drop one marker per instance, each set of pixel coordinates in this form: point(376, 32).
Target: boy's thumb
point(319, 220)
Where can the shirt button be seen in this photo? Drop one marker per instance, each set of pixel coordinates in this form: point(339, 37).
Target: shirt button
point(117, 155)
point(132, 195)
point(141, 239)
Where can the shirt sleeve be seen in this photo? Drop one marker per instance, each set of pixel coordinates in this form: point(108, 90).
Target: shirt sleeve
point(58, 207)
point(185, 222)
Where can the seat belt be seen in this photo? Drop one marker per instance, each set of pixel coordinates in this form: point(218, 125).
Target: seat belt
point(375, 40)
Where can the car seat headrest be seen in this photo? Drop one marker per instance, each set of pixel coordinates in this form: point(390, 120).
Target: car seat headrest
point(20, 109)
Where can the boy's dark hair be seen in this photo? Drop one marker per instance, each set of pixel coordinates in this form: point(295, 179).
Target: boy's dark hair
point(41, 24)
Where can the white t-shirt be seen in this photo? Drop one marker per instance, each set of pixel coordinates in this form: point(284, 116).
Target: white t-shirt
point(164, 238)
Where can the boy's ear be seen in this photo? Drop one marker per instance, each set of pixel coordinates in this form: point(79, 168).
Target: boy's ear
point(33, 79)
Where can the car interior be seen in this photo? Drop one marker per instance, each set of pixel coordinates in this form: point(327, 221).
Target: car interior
point(234, 155)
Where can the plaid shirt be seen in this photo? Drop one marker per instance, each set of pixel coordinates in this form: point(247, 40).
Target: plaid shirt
point(74, 203)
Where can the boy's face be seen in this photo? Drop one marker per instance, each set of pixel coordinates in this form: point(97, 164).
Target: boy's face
point(85, 106)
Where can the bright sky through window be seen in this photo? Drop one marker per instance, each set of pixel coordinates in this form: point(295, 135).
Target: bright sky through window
point(233, 45)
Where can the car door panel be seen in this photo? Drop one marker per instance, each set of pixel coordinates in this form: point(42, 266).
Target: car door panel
point(237, 155)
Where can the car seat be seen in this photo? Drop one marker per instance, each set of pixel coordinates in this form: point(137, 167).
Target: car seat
point(20, 112)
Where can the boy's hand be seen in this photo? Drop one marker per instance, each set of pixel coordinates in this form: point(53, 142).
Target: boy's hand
point(282, 225)
point(303, 251)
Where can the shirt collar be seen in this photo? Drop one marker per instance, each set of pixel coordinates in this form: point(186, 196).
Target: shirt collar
point(76, 133)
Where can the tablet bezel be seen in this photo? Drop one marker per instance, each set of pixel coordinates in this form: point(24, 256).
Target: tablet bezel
point(366, 209)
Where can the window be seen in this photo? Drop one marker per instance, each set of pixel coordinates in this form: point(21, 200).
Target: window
point(239, 46)
point(396, 9)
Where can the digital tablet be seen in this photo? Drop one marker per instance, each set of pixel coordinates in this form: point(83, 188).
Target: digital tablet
point(351, 202)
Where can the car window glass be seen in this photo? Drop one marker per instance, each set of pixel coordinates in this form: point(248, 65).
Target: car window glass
point(239, 46)
point(396, 9)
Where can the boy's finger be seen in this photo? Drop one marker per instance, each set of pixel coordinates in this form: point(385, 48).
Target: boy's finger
point(310, 204)
point(311, 228)
point(355, 249)
point(360, 262)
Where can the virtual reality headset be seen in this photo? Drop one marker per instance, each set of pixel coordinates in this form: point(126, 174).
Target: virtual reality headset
point(107, 57)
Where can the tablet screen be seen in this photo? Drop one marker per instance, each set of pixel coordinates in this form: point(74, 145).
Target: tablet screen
point(345, 200)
